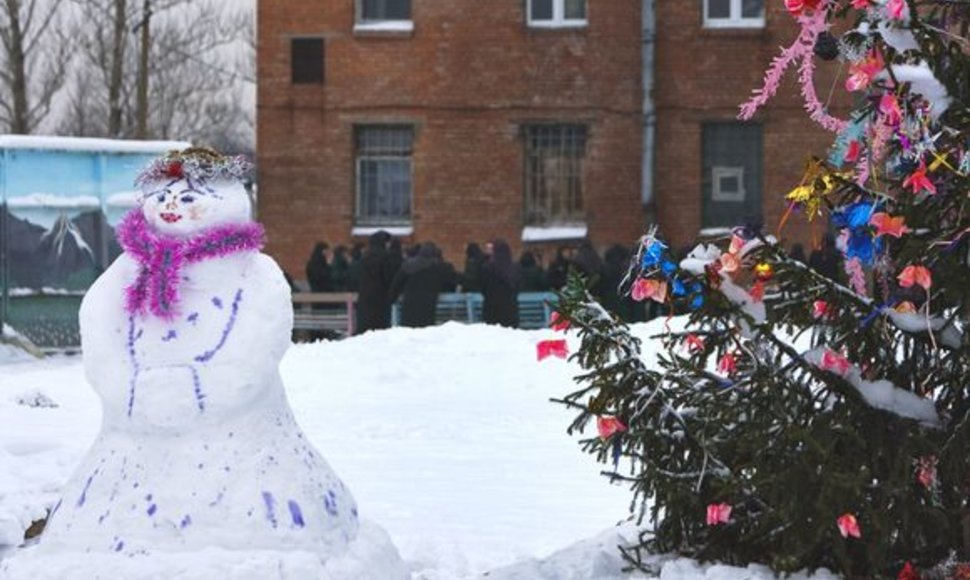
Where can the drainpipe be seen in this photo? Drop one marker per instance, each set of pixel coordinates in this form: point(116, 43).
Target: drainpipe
point(649, 29)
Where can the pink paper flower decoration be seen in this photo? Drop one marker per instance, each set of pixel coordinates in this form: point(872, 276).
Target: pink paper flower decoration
point(848, 526)
point(694, 343)
point(889, 109)
point(718, 513)
point(853, 152)
point(606, 426)
point(834, 362)
point(861, 4)
point(730, 263)
point(644, 288)
point(557, 322)
point(917, 181)
point(926, 474)
point(556, 348)
point(915, 275)
point(887, 225)
point(797, 7)
point(862, 72)
point(728, 364)
point(820, 309)
point(896, 9)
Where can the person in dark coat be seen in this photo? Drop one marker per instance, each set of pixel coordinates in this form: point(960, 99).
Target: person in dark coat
point(827, 260)
point(558, 272)
point(797, 253)
point(471, 280)
point(373, 309)
point(533, 277)
point(590, 265)
point(419, 280)
point(340, 269)
point(318, 270)
point(616, 262)
point(356, 265)
point(500, 287)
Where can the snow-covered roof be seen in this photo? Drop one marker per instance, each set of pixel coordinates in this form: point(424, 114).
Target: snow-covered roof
point(88, 144)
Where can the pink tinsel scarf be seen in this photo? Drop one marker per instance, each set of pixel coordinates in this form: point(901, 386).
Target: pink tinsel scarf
point(161, 259)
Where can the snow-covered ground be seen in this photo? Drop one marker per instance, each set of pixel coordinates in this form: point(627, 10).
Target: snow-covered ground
point(445, 436)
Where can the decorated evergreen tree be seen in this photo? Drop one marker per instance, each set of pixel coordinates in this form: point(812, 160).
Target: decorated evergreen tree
point(794, 418)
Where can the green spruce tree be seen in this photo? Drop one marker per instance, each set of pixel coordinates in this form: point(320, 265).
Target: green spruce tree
point(798, 419)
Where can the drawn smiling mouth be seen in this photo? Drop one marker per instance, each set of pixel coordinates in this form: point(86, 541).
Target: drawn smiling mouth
point(171, 217)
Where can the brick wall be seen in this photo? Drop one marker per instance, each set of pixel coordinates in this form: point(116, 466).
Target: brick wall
point(468, 77)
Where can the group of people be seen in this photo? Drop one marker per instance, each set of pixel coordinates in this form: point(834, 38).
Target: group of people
point(384, 272)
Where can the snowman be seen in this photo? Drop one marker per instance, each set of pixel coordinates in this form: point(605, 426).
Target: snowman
point(182, 338)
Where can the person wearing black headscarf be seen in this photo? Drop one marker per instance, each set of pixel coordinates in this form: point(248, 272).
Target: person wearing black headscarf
point(827, 260)
point(420, 280)
point(533, 277)
point(591, 266)
point(558, 272)
point(471, 279)
point(318, 270)
point(500, 287)
point(373, 308)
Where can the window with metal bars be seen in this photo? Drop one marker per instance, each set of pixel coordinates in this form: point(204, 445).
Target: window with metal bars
point(554, 174)
point(553, 13)
point(384, 10)
point(384, 161)
point(731, 185)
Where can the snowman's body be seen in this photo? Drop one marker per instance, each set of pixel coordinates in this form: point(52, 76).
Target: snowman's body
point(200, 470)
point(198, 445)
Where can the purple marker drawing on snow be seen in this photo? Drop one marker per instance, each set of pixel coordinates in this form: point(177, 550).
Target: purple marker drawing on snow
point(84, 492)
point(270, 513)
point(295, 513)
point(217, 302)
point(134, 363)
point(186, 522)
point(207, 356)
point(171, 335)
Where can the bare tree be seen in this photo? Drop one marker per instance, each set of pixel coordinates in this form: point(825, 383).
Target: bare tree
point(32, 62)
point(194, 76)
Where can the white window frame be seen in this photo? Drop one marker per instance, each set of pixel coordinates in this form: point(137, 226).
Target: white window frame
point(558, 19)
point(719, 172)
point(389, 25)
point(735, 20)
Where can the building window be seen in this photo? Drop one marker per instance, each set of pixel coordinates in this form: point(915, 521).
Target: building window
point(378, 11)
point(554, 174)
point(306, 58)
point(557, 13)
point(383, 156)
point(731, 183)
point(734, 13)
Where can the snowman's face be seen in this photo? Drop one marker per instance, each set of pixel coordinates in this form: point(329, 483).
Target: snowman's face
point(182, 208)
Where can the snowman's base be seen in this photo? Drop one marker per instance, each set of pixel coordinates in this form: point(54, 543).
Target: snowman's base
point(372, 556)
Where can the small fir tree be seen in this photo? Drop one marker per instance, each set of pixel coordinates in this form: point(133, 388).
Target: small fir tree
point(800, 420)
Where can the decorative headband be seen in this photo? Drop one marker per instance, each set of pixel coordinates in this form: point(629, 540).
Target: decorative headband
point(196, 164)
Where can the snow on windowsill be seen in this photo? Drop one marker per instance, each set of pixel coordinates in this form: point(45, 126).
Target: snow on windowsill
point(88, 144)
point(49, 200)
point(713, 232)
point(553, 24)
point(371, 230)
point(545, 234)
point(384, 27)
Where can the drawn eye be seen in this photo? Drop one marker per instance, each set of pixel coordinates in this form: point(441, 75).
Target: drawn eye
point(187, 199)
point(160, 197)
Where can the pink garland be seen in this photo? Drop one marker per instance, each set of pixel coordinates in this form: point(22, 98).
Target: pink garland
point(161, 259)
point(857, 276)
point(802, 49)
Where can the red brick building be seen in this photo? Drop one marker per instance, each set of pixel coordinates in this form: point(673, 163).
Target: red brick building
point(458, 121)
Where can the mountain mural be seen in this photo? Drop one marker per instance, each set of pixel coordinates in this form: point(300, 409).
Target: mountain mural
point(70, 255)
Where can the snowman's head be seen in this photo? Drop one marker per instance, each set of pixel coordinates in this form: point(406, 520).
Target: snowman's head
point(186, 192)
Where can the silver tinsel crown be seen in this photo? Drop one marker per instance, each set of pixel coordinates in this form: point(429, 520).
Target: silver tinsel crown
point(198, 164)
